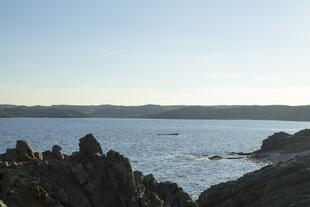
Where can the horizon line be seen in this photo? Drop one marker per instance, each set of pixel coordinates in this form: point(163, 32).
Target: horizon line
point(186, 105)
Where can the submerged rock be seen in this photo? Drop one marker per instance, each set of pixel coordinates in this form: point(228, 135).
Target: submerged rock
point(216, 157)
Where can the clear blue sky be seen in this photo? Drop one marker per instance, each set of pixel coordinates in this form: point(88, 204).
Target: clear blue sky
point(155, 51)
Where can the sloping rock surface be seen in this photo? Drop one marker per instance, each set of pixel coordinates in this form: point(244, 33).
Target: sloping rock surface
point(87, 178)
point(286, 184)
point(283, 146)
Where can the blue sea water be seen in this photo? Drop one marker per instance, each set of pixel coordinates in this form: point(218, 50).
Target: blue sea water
point(180, 159)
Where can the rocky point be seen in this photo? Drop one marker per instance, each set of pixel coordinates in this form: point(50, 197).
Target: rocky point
point(88, 178)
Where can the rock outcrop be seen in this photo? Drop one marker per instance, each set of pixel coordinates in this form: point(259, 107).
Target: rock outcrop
point(283, 146)
point(285, 184)
point(90, 178)
point(87, 178)
point(24, 151)
point(215, 157)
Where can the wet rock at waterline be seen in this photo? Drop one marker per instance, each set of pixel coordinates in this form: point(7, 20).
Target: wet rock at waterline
point(216, 157)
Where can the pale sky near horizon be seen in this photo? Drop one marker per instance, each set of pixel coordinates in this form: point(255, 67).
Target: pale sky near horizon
point(195, 52)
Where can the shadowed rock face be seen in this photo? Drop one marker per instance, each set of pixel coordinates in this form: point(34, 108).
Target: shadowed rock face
point(88, 178)
point(287, 143)
point(286, 184)
point(89, 145)
point(282, 146)
point(24, 151)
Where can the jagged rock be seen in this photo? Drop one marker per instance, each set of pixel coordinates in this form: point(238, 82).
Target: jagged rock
point(283, 146)
point(274, 142)
point(24, 151)
point(11, 155)
point(38, 155)
point(173, 195)
point(89, 145)
point(56, 152)
point(88, 178)
point(48, 155)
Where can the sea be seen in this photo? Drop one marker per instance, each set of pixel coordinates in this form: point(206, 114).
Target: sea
point(182, 158)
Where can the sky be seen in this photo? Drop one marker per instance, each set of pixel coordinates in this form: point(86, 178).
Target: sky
point(134, 52)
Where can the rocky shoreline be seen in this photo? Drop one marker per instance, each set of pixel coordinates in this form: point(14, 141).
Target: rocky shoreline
point(87, 178)
point(282, 146)
point(91, 178)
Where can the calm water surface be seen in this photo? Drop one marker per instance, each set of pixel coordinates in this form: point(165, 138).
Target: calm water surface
point(174, 158)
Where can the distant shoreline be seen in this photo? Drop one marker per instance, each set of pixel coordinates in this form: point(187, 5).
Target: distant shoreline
point(255, 112)
point(148, 118)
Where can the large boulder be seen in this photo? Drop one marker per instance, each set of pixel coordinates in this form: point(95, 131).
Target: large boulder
point(24, 151)
point(89, 145)
point(48, 155)
point(283, 146)
point(285, 184)
point(56, 150)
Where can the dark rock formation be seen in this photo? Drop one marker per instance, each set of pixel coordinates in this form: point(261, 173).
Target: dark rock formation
point(87, 178)
point(285, 184)
point(215, 157)
point(24, 151)
point(239, 153)
point(282, 146)
point(56, 152)
point(89, 145)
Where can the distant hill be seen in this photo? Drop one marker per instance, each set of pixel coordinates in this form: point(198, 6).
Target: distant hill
point(272, 112)
point(38, 111)
point(72, 111)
